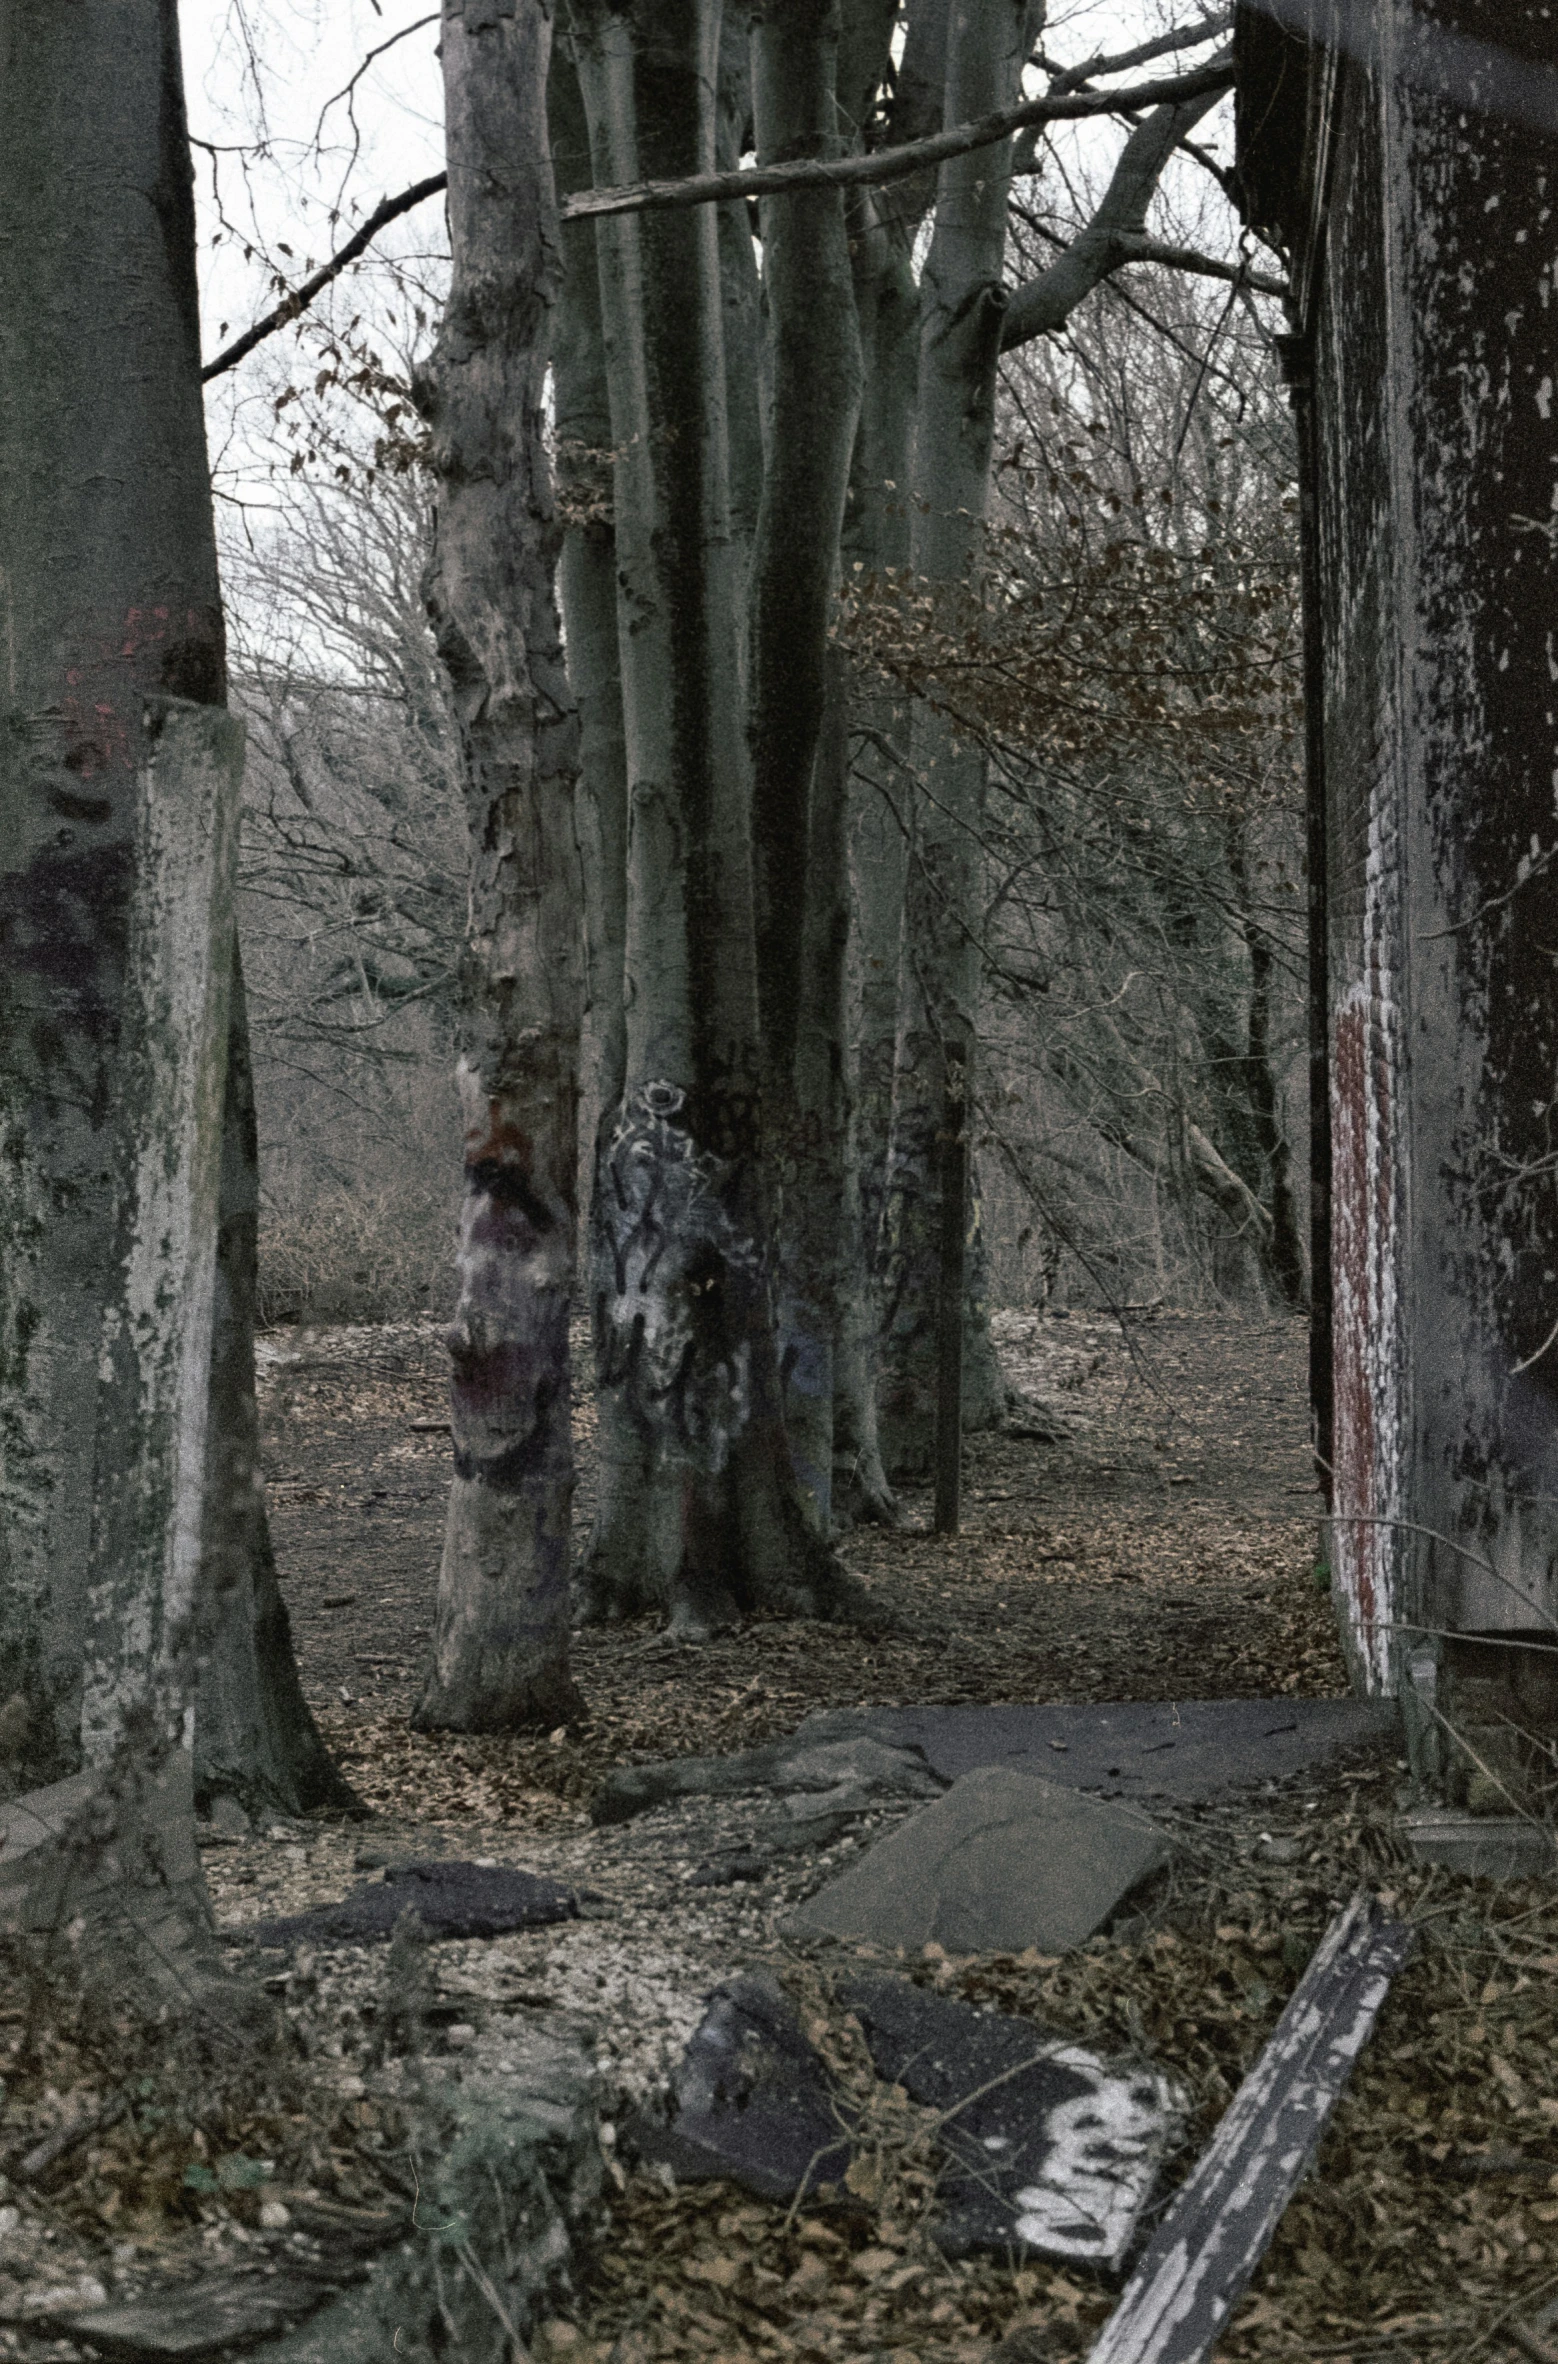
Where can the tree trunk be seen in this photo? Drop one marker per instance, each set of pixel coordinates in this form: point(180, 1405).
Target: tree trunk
point(962, 306)
point(587, 583)
point(1282, 1254)
point(799, 824)
point(699, 1511)
point(881, 809)
point(255, 1738)
point(111, 622)
point(113, 601)
point(500, 1644)
point(875, 536)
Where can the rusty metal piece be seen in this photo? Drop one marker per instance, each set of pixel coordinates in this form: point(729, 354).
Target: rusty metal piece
point(1195, 2268)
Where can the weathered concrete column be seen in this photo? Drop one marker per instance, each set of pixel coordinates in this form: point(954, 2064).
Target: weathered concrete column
point(1419, 208)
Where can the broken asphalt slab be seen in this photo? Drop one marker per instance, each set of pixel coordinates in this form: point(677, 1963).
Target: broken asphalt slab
point(450, 1899)
point(1189, 1749)
point(1047, 2146)
point(1001, 1863)
point(750, 2099)
point(818, 1776)
point(1044, 2146)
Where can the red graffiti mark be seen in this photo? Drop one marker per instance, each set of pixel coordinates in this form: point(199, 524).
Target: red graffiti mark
point(1364, 1248)
point(146, 628)
point(97, 738)
point(150, 650)
point(494, 1138)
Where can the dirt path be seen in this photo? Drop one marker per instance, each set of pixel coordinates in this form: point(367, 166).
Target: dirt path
point(1163, 1547)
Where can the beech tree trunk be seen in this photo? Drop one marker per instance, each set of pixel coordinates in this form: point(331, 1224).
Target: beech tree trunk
point(113, 626)
point(500, 1644)
point(875, 536)
point(799, 806)
point(700, 1514)
point(255, 1738)
point(962, 313)
point(587, 585)
point(108, 596)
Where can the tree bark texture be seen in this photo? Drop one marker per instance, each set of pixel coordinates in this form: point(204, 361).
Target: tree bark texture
point(110, 619)
point(875, 539)
point(155, 1342)
point(587, 584)
point(699, 1510)
point(255, 1738)
point(962, 312)
point(500, 1645)
point(799, 824)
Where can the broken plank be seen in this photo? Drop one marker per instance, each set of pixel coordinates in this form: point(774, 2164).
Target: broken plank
point(1195, 2268)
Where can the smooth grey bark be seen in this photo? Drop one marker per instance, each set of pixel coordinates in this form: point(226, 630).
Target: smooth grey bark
point(799, 824)
point(962, 310)
point(875, 539)
point(699, 1511)
point(108, 595)
point(154, 1340)
point(967, 322)
point(748, 384)
point(500, 1644)
point(587, 588)
point(255, 1737)
point(110, 605)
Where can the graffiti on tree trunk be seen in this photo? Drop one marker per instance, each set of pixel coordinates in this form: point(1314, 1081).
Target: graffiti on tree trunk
point(679, 1283)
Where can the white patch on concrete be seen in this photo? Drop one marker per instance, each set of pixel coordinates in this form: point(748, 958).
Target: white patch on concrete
point(1108, 2145)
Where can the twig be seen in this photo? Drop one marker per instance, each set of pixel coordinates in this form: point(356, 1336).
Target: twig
point(43, 2154)
point(301, 297)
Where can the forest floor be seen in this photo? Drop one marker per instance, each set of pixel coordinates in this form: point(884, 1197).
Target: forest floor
point(1162, 1545)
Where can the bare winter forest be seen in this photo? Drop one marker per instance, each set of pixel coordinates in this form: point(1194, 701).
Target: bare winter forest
point(777, 1473)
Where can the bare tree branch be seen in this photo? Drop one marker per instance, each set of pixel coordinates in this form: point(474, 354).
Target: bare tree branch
point(1203, 266)
point(1120, 223)
point(891, 164)
point(301, 297)
point(347, 88)
point(1067, 78)
point(1186, 96)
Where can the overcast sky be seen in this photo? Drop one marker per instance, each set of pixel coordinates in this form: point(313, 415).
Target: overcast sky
point(263, 78)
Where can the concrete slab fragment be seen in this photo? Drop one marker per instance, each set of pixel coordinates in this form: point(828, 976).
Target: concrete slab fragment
point(1483, 1846)
point(48, 1870)
point(849, 1773)
point(1002, 1862)
point(751, 2099)
point(1193, 1749)
point(1042, 2144)
point(1046, 2146)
